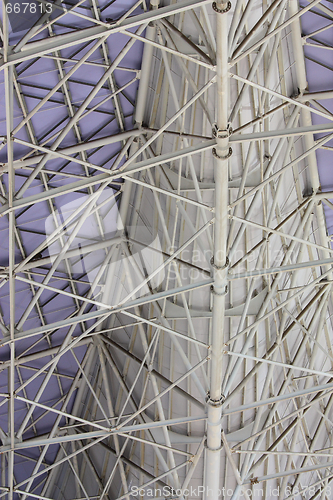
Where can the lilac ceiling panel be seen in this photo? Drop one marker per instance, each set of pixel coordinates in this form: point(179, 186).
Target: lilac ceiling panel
point(110, 108)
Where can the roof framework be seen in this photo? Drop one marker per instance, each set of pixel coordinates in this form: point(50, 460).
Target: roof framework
point(165, 272)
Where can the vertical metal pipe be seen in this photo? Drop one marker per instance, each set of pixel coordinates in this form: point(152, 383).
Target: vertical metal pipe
point(306, 120)
point(145, 73)
point(9, 104)
point(220, 260)
point(11, 189)
point(141, 103)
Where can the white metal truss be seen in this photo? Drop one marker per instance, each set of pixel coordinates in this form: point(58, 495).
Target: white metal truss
point(165, 267)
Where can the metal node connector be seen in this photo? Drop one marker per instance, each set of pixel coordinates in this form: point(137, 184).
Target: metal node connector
point(225, 157)
point(219, 268)
point(221, 11)
point(215, 402)
point(221, 134)
point(214, 292)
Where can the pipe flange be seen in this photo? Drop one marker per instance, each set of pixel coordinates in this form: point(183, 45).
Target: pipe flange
point(213, 450)
point(225, 157)
point(214, 292)
point(210, 449)
point(219, 133)
point(219, 268)
point(221, 11)
point(216, 403)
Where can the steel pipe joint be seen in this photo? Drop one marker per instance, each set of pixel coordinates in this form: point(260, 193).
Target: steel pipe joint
point(221, 8)
point(216, 403)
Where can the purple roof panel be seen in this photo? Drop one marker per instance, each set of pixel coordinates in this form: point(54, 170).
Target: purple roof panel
point(35, 78)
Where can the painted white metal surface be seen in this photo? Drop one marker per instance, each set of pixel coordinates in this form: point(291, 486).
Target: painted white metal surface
point(165, 273)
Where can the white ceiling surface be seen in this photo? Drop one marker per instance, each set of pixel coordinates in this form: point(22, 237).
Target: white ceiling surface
point(276, 439)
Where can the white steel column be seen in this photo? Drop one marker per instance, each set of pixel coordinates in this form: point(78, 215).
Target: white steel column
point(220, 260)
point(141, 101)
point(307, 120)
